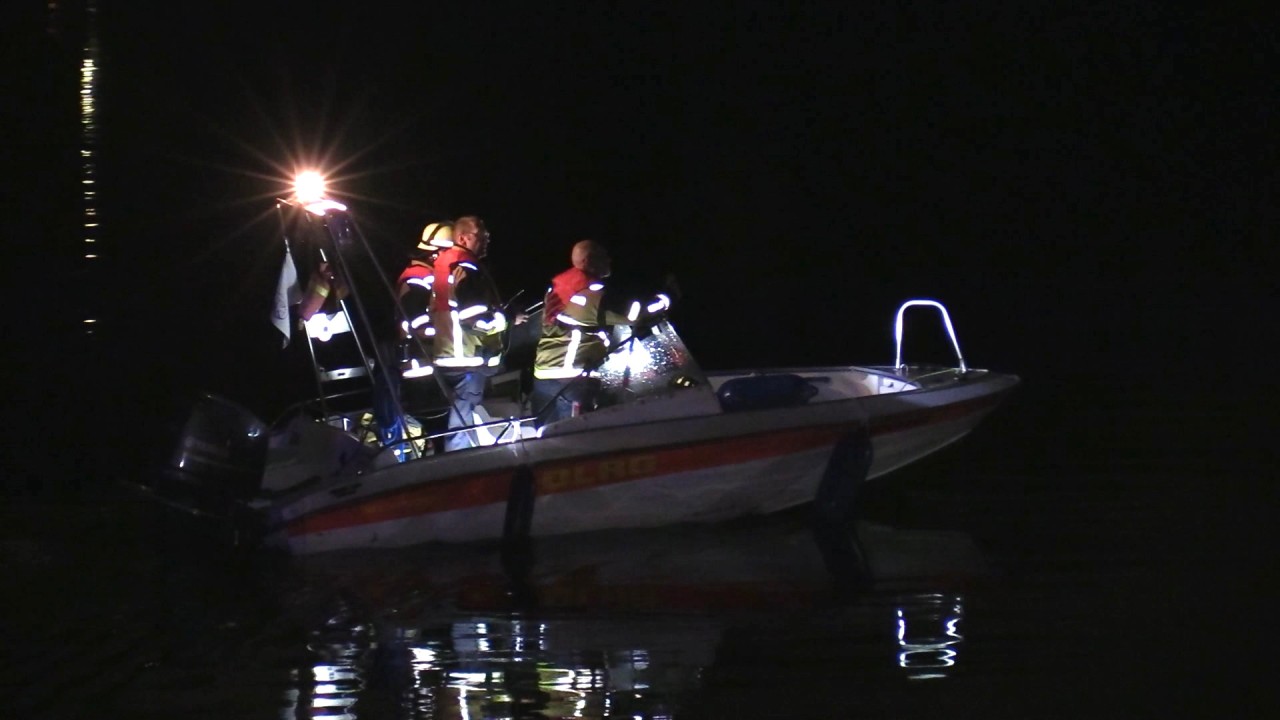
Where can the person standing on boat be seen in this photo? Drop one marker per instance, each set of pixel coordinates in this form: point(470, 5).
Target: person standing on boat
point(466, 311)
point(578, 312)
point(413, 291)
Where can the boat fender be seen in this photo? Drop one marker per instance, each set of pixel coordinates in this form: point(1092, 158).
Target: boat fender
point(763, 392)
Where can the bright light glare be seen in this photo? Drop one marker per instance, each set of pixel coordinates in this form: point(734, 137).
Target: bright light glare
point(309, 187)
point(637, 359)
point(423, 655)
point(320, 207)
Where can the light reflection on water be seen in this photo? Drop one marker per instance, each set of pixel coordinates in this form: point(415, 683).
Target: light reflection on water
point(929, 635)
point(501, 667)
point(342, 648)
point(513, 667)
point(622, 625)
point(716, 621)
point(89, 141)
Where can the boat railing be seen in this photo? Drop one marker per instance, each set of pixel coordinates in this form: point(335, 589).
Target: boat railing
point(510, 432)
point(507, 424)
point(946, 320)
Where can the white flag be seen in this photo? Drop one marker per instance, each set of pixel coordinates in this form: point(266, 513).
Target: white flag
point(287, 293)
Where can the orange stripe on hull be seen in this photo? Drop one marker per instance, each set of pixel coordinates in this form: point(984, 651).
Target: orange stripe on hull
point(560, 477)
point(420, 499)
point(582, 474)
point(578, 474)
point(899, 422)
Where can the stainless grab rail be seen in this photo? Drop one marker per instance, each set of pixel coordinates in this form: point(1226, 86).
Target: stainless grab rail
point(946, 319)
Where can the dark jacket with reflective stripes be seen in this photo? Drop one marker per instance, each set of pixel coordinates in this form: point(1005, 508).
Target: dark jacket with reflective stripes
point(414, 291)
point(466, 312)
point(416, 332)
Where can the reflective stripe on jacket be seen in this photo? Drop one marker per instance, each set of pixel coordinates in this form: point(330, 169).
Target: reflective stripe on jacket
point(414, 290)
point(577, 315)
point(416, 331)
point(465, 310)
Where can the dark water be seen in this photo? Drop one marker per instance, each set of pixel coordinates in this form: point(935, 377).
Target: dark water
point(1060, 562)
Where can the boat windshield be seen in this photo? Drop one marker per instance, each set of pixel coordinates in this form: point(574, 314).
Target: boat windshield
point(650, 363)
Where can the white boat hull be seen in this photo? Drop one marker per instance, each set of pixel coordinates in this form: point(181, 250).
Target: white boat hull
point(687, 469)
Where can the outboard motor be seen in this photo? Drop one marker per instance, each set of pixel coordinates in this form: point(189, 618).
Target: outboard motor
point(219, 458)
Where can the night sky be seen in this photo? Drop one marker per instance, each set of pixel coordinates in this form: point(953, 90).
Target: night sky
point(1089, 187)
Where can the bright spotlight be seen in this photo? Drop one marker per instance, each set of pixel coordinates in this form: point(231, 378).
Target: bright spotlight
point(308, 187)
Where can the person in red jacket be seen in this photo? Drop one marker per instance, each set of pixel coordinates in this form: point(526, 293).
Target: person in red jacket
point(578, 312)
point(467, 314)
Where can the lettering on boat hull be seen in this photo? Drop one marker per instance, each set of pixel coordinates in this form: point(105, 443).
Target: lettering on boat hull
point(593, 473)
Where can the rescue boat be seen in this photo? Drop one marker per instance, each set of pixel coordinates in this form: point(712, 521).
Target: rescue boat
point(671, 443)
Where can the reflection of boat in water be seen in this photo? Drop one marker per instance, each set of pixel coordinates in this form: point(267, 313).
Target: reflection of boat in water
point(645, 623)
point(673, 444)
point(767, 563)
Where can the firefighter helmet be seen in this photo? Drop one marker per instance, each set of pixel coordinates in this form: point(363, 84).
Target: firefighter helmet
point(436, 236)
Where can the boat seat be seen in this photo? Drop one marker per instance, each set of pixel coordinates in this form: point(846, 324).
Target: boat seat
point(764, 392)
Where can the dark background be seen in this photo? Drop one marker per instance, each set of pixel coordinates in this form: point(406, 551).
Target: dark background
point(1088, 188)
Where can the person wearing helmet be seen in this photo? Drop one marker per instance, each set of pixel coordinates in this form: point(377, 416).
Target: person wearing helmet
point(413, 289)
point(578, 312)
point(466, 311)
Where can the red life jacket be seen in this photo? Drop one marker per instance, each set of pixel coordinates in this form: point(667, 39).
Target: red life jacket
point(442, 289)
point(415, 270)
point(563, 286)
